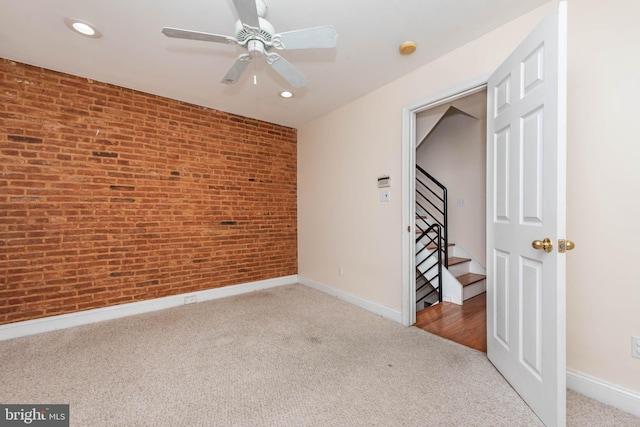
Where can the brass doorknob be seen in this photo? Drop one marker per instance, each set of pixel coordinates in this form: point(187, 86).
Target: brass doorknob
point(545, 244)
point(565, 245)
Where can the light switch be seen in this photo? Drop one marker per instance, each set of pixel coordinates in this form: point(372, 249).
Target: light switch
point(385, 195)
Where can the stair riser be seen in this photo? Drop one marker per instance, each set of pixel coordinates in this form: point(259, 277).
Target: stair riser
point(459, 269)
point(474, 289)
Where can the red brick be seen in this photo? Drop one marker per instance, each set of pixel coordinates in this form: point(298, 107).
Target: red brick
point(111, 196)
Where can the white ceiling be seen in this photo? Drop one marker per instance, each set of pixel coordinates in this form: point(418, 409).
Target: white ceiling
point(134, 54)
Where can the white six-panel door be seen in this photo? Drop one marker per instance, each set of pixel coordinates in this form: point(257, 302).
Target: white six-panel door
point(526, 139)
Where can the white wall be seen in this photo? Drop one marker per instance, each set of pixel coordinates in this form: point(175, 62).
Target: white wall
point(455, 154)
point(603, 183)
point(341, 221)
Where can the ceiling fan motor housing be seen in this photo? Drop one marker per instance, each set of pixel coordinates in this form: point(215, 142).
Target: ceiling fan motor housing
point(256, 40)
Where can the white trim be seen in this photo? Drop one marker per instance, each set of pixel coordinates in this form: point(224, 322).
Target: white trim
point(352, 299)
point(63, 321)
point(408, 275)
point(409, 111)
point(448, 95)
point(606, 393)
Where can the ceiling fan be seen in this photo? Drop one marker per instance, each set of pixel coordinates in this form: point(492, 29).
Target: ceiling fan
point(255, 34)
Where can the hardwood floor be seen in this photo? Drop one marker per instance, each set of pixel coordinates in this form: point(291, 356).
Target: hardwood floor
point(465, 324)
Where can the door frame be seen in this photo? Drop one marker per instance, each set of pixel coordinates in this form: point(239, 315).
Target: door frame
point(408, 197)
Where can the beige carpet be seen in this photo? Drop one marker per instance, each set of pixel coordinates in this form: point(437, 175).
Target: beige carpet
point(289, 356)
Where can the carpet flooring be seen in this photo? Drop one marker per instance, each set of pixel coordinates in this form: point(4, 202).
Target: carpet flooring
point(287, 356)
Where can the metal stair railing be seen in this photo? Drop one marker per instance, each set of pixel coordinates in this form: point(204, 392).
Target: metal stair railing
point(431, 200)
point(429, 268)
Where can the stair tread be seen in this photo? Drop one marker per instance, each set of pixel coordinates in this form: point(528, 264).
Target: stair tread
point(470, 278)
point(418, 231)
point(453, 260)
point(433, 246)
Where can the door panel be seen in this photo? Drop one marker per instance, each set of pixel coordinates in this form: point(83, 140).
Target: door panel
point(526, 132)
point(500, 295)
point(502, 142)
point(531, 315)
point(532, 162)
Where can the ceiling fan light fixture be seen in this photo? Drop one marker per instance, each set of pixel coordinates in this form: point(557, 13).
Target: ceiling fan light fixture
point(83, 28)
point(407, 48)
point(255, 48)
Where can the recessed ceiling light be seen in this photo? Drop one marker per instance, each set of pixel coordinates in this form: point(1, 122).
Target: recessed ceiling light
point(83, 28)
point(286, 94)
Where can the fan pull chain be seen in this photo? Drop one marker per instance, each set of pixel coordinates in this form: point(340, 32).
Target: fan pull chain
point(255, 73)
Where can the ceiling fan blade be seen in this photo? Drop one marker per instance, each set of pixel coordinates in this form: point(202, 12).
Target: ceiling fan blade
point(286, 70)
point(237, 68)
point(177, 33)
point(309, 38)
point(247, 12)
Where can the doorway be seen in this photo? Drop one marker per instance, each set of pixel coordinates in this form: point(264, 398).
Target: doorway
point(436, 117)
point(451, 147)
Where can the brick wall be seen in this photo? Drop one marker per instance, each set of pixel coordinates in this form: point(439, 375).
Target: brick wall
point(109, 196)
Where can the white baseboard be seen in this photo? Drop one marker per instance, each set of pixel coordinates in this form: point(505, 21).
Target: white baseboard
point(606, 393)
point(373, 307)
point(48, 324)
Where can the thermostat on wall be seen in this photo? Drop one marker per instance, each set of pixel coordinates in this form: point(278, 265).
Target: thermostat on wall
point(384, 181)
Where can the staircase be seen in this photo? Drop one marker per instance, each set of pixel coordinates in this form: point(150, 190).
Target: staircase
point(444, 270)
point(466, 277)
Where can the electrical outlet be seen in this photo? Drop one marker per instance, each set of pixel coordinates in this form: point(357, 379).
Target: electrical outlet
point(635, 346)
point(190, 299)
